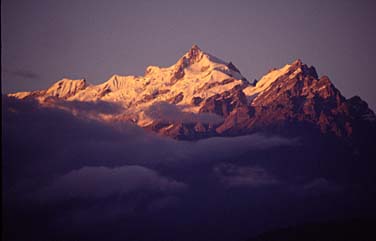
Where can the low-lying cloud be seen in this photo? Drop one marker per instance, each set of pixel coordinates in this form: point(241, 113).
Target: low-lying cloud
point(165, 112)
point(118, 176)
point(244, 176)
point(101, 182)
point(90, 107)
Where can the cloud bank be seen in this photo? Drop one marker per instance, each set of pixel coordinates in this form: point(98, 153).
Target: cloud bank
point(101, 182)
point(243, 176)
point(165, 112)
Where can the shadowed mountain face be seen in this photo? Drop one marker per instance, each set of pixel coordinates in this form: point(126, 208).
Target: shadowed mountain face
point(188, 152)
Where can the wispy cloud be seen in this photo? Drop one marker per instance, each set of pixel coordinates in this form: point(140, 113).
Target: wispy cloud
point(244, 176)
point(164, 111)
point(22, 73)
point(101, 182)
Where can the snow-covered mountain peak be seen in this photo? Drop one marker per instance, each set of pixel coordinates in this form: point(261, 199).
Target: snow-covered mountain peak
point(66, 88)
point(292, 70)
point(266, 81)
point(63, 89)
point(197, 75)
point(196, 61)
point(298, 65)
point(194, 53)
point(197, 56)
point(297, 62)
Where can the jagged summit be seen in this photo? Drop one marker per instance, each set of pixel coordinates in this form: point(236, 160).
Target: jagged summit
point(66, 88)
point(195, 48)
point(309, 70)
point(194, 52)
point(193, 55)
point(296, 68)
point(297, 62)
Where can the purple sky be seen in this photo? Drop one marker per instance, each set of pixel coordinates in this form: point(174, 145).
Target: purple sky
point(43, 41)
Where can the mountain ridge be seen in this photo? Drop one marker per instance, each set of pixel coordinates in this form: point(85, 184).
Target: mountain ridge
point(200, 84)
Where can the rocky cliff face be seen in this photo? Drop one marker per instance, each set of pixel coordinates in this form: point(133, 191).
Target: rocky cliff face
point(297, 96)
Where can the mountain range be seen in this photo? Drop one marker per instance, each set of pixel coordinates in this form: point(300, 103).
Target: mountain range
point(193, 151)
point(203, 96)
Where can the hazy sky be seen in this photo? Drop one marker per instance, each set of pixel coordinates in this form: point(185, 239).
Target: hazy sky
point(45, 40)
